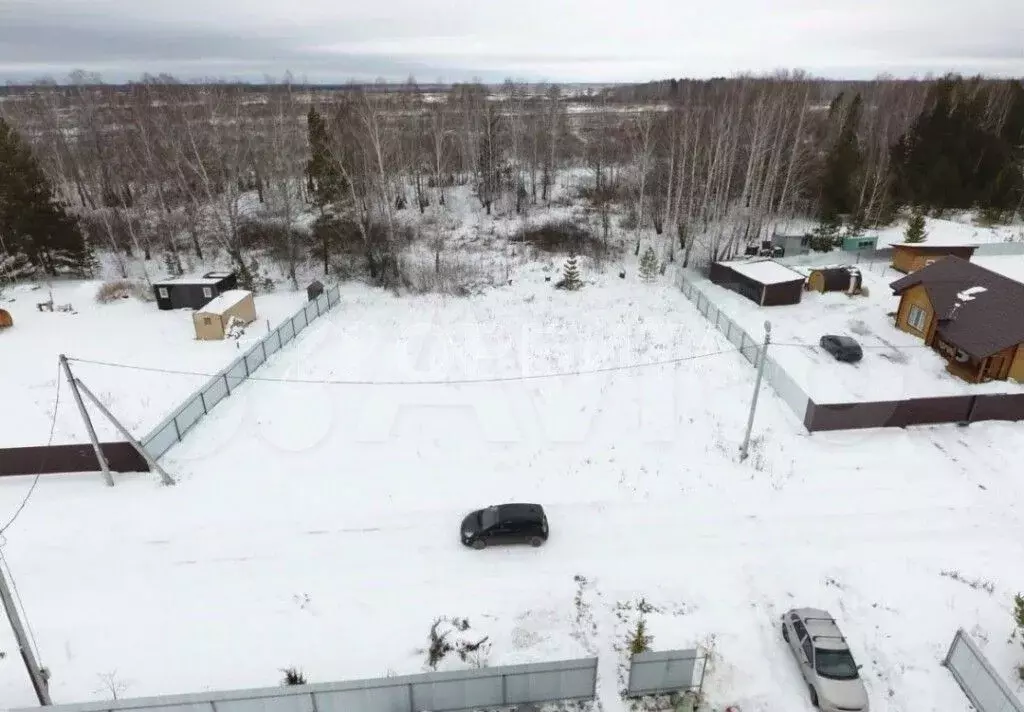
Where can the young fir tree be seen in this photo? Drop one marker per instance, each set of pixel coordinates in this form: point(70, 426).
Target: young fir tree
point(31, 219)
point(826, 234)
point(915, 229)
point(648, 265)
point(570, 275)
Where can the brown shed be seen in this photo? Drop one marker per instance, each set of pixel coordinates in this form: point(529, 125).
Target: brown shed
point(764, 282)
point(213, 319)
point(6, 319)
point(909, 257)
point(834, 279)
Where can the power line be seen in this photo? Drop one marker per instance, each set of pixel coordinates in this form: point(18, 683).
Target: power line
point(42, 461)
point(440, 382)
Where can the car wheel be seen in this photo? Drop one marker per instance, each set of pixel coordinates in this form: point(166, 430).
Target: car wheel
point(814, 697)
point(785, 633)
point(479, 544)
point(536, 541)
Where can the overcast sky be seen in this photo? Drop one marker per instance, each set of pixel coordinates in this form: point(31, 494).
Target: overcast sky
point(535, 40)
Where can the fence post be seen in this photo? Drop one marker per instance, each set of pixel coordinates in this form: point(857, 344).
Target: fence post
point(317, 302)
point(202, 399)
point(177, 430)
point(263, 345)
point(226, 384)
point(504, 689)
point(412, 704)
point(312, 702)
point(245, 362)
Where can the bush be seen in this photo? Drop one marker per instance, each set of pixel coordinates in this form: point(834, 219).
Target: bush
point(639, 640)
point(123, 289)
point(448, 274)
point(561, 237)
point(293, 676)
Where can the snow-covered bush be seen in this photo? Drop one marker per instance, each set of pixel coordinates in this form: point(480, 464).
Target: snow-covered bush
point(293, 676)
point(453, 635)
point(122, 289)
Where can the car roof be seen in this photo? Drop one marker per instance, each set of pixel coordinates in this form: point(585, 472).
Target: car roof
point(822, 628)
point(519, 510)
point(843, 340)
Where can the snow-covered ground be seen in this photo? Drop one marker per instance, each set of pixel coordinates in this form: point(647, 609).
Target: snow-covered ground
point(124, 331)
point(958, 231)
point(895, 365)
point(316, 525)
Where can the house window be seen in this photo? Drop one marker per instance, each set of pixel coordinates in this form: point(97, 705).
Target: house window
point(162, 291)
point(917, 318)
point(207, 320)
point(208, 292)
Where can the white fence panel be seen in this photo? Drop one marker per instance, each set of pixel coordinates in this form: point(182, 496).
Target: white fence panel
point(659, 673)
point(977, 678)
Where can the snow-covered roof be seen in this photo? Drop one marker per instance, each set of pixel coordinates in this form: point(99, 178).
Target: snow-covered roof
point(766, 271)
point(201, 281)
point(225, 301)
point(941, 241)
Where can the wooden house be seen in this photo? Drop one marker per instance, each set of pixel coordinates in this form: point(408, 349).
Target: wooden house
point(908, 257)
point(972, 316)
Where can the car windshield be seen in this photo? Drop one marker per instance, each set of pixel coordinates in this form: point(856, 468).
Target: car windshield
point(488, 517)
point(835, 664)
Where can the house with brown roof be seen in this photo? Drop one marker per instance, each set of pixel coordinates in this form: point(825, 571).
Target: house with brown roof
point(972, 316)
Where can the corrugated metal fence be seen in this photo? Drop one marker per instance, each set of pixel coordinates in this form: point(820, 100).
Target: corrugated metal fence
point(485, 688)
point(173, 428)
point(661, 673)
point(977, 678)
point(776, 376)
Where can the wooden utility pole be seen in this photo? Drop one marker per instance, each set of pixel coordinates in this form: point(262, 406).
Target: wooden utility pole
point(38, 676)
point(100, 457)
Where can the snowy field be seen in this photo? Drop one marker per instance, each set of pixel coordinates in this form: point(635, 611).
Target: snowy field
point(124, 331)
point(315, 525)
point(896, 364)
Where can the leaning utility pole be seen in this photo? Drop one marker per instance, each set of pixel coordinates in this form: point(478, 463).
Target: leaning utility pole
point(38, 676)
point(107, 477)
point(153, 464)
point(763, 356)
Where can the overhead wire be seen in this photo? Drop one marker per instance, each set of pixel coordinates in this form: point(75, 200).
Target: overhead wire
point(42, 462)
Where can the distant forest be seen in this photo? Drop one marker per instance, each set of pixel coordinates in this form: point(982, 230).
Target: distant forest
point(158, 168)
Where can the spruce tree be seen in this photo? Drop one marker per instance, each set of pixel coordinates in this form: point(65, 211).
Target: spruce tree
point(648, 265)
point(570, 275)
point(915, 232)
point(32, 221)
point(324, 176)
point(842, 164)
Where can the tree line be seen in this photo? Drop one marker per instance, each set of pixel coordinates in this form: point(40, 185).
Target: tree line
point(163, 170)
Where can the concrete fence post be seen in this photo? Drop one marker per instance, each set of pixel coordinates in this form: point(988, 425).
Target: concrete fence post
point(504, 689)
point(412, 701)
point(226, 384)
point(202, 399)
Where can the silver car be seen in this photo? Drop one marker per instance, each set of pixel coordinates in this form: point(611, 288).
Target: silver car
point(825, 660)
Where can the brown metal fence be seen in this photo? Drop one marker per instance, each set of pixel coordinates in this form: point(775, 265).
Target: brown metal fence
point(913, 411)
point(53, 459)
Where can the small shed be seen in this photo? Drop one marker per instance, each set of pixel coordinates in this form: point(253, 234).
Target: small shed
point(792, 244)
point(6, 320)
point(212, 320)
point(909, 257)
point(314, 290)
point(859, 243)
point(764, 282)
point(834, 279)
point(193, 292)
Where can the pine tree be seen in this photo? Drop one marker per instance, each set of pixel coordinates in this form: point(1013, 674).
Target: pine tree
point(324, 176)
point(648, 265)
point(32, 221)
point(570, 275)
point(915, 229)
point(826, 234)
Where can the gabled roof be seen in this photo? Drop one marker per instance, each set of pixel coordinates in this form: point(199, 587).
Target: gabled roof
point(765, 271)
point(224, 302)
point(982, 321)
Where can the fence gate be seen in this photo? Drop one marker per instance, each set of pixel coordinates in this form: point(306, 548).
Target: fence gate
point(977, 678)
point(662, 673)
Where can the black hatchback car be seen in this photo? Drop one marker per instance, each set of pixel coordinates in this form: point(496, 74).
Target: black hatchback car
point(505, 524)
point(842, 348)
